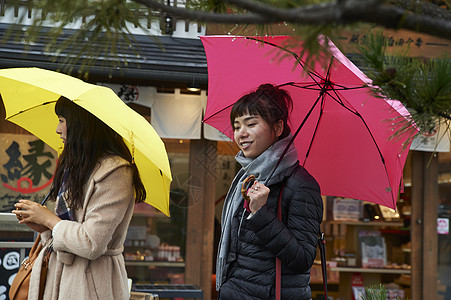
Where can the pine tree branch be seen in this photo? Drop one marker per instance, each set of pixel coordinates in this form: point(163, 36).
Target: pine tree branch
point(445, 116)
point(341, 12)
point(202, 16)
point(423, 8)
point(397, 18)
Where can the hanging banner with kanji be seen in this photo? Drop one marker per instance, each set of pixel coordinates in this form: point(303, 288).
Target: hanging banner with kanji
point(26, 169)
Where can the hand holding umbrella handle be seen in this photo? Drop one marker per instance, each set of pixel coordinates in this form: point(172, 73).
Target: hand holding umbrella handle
point(247, 183)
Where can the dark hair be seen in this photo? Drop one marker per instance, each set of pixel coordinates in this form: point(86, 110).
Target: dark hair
point(269, 102)
point(88, 139)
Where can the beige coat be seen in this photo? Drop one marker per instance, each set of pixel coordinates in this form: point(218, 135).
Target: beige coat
point(88, 261)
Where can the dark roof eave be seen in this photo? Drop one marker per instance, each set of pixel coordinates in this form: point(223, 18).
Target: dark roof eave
point(111, 74)
point(181, 60)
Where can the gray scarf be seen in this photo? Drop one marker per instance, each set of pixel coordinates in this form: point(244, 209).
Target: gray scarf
point(260, 167)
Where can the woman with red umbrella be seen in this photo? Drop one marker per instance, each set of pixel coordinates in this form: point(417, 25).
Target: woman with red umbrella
point(267, 248)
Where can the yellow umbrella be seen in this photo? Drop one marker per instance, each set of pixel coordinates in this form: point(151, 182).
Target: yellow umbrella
point(30, 94)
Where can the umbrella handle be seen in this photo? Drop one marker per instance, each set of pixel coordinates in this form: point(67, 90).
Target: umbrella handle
point(247, 183)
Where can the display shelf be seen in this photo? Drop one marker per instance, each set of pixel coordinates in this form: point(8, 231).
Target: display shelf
point(8, 217)
point(371, 223)
point(155, 264)
point(9, 223)
point(316, 282)
point(371, 270)
point(345, 238)
point(152, 234)
point(395, 231)
point(145, 210)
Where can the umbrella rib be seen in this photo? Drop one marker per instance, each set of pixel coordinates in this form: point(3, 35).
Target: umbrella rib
point(345, 88)
point(313, 75)
point(356, 113)
point(380, 153)
point(310, 73)
point(30, 108)
point(291, 141)
point(322, 95)
point(219, 111)
point(298, 59)
point(311, 86)
point(325, 90)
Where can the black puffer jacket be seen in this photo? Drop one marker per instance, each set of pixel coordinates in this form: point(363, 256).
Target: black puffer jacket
point(251, 272)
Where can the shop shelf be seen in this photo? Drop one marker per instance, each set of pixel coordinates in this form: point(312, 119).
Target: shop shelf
point(155, 264)
point(371, 270)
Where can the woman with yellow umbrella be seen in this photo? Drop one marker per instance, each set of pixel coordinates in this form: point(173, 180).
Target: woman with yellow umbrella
point(96, 185)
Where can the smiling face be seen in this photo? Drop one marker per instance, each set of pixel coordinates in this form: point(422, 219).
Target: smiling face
point(253, 135)
point(61, 129)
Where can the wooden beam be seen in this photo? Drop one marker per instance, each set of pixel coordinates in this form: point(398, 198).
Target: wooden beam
point(416, 235)
point(430, 239)
point(425, 200)
point(200, 218)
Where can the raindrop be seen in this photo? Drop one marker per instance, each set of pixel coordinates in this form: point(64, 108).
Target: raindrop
point(229, 33)
point(435, 154)
point(399, 155)
point(285, 23)
point(294, 29)
point(233, 39)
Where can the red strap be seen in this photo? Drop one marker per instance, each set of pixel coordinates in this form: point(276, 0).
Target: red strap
point(278, 279)
point(278, 263)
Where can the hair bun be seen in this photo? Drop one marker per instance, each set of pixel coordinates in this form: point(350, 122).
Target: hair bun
point(267, 87)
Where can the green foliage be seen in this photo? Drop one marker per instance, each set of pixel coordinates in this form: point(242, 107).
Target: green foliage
point(375, 292)
point(423, 86)
point(225, 6)
point(104, 30)
point(218, 6)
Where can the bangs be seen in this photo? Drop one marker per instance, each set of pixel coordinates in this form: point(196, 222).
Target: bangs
point(249, 104)
point(63, 107)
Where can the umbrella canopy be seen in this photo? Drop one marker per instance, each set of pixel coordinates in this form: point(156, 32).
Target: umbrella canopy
point(30, 94)
point(343, 129)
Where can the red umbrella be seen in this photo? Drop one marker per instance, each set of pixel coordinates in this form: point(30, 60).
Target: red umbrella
point(341, 130)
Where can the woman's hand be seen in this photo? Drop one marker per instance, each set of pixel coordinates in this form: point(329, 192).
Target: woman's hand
point(36, 227)
point(35, 215)
point(258, 194)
